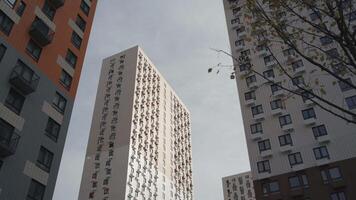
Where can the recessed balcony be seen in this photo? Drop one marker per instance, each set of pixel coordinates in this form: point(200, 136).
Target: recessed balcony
point(41, 33)
point(24, 79)
point(286, 148)
point(323, 139)
point(256, 136)
point(310, 121)
point(266, 153)
point(8, 143)
point(56, 3)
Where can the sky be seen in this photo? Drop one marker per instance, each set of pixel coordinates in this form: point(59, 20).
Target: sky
point(178, 37)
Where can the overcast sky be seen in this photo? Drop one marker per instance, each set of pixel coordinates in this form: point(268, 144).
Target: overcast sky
point(177, 36)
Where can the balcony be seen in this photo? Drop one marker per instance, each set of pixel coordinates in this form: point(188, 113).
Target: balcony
point(323, 139)
point(41, 33)
point(24, 79)
point(310, 121)
point(56, 3)
point(8, 144)
point(286, 148)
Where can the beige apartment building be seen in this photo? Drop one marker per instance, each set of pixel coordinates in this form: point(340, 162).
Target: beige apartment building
point(238, 187)
point(296, 149)
point(140, 140)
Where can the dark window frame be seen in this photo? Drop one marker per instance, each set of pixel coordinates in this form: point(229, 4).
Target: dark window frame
point(295, 159)
point(45, 159)
point(16, 98)
point(52, 129)
point(320, 154)
point(285, 140)
point(34, 50)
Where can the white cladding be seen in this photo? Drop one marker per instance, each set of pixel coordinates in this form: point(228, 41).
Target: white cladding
point(238, 187)
point(340, 139)
point(140, 140)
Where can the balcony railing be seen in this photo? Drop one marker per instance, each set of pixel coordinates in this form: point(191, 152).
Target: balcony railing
point(8, 144)
point(24, 79)
point(41, 33)
point(56, 3)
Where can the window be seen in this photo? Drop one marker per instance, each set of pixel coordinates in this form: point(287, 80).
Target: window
point(256, 128)
point(250, 95)
point(85, 8)
point(239, 31)
point(48, 10)
point(6, 131)
point(297, 64)
point(2, 51)
point(236, 20)
point(66, 79)
point(338, 196)
point(34, 50)
point(21, 8)
point(59, 102)
point(245, 53)
point(264, 145)
point(288, 52)
point(14, 101)
point(276, 87)
point(44, 160)
point(268, 73)
point(285, 120)
point(250, 80)
point(236, 10)
point(285, 140)
point(52, 129)
point(256, 110)
point(351, 102)
point(298, 181)
point(276, 104)
point(261, 47)
point(332, 53)
point(268, 59)
point(299, 80)
point(321, 152)
point(270, 187)
point(81, 23)
point(295, 159)
point(244, 67)
point(308, 113)
point(5, 23)
point(76, 40)
point(263, 166)
point(36, 191)
point(326, 40)
point(319, 131)
point(240, 43)
point(331, 175)
point(71, 58)
point(345, 87)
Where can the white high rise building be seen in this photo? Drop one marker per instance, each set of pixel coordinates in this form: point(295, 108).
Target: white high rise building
point(140, 140)
point(238, 187)
point(296, 149)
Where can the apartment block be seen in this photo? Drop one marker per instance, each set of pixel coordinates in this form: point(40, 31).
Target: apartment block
point(42, 48)
point(140, 139)
point(297, 150)
point(238, 187)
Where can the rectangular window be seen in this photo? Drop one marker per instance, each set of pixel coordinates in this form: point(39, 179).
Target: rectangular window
point(59, 102)
point(2, 51)
point(264, 145)
point(326, 40)
point(276, 87)
point(297, 64)
point(240, 43)
point(285, 140)
point(240, 30)
point(268, 59)
point(48, 10)
point(351, 102)
point(298, 181)
point(36, 191)
point(14, 101)
point(71, 58)
point(6, 131)
point(271, 187)
point(52, 129)
point(321, 152)
point(256, 110)
point(345, 87)
point(299, 80)
point(65, 80)
point(85, 8)
point(256, 128)
point(295, 159)
point(319, 131)
point(263, 166)
point(245, 53)
point(81, 23)
point(268, 73)
point(236, 20)
point(45, 158)
point(340, 195)
point(6, 23)
point(34, 50)
point(276, 104)
point(250, 80)
point(21, 8)
point(250, 95)
point(244, 67)
point(285, 120)
point(308, 113)
point(261, 47)
point(331, 175)
point(76, 40)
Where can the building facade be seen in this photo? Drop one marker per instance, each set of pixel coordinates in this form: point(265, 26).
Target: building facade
point(42, 48)
point(238, 187)
point(140, 139)
point(296, 149)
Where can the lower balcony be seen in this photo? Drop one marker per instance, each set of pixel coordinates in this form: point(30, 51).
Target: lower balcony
point(24, 79)
point(41, 33)
point(8, 144)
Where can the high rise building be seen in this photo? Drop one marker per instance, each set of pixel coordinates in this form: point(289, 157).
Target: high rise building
point(296, 149)
point(238, 187)
point(42, 48)
point(140, 139)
